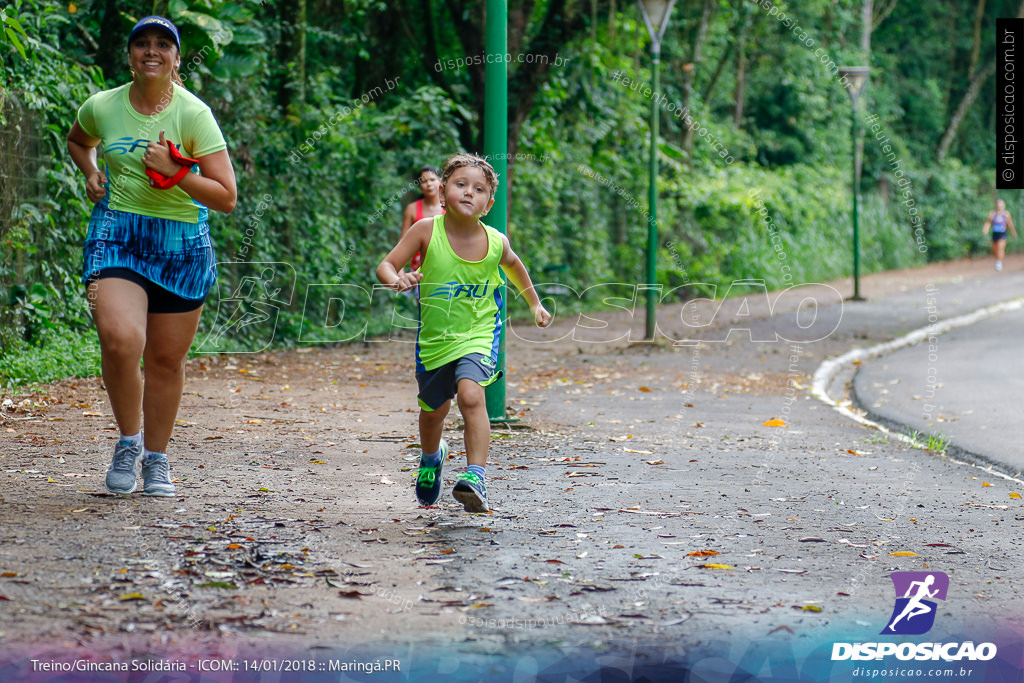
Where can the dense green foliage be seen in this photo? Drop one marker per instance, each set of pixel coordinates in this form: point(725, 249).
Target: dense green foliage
point(329, 107)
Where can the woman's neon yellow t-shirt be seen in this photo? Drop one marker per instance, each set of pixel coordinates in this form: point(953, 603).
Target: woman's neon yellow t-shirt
point(125, 134)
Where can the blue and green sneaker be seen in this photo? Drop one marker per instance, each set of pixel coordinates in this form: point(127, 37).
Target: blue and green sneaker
point(471, 492)
point(428, 483)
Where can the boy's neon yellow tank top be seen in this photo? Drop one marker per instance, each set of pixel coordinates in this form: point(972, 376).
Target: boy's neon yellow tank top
point(460, 301)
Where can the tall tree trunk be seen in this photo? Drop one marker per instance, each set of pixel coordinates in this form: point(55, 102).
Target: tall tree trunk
point(977, 79)
point(722, 62)
point(979, 14)
point(965, 104)
point(292, 95)
point(111, 33)
point(431, 57)
point(563, 20)
point(738, 46)
point(741, 72)
point(691, 74)
point(867, 24)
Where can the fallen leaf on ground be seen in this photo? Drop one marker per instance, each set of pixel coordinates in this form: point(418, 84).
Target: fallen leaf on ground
point(590, 620)
point(774, 422)
point(702, 553)
point(781, 628)
point(717, 566)
point(985, 483)
point(133, 596)
point(904, 553)
point(1015, 496)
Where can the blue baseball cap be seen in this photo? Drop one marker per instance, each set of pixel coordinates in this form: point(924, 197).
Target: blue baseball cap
point(156, 22)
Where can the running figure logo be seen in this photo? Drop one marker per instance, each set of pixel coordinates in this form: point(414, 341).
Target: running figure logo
point(914, 612)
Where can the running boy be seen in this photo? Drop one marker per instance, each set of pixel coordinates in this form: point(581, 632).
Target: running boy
point(460, 301)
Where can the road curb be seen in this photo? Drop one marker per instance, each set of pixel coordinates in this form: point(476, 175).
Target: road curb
point(831, 368)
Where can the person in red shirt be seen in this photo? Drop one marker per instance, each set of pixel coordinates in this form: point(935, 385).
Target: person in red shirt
point(427, 206)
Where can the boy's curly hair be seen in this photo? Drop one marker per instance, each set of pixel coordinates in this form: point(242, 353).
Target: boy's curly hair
point(457, 161)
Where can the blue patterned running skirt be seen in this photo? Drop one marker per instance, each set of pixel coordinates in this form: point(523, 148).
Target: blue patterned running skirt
point(176, 255)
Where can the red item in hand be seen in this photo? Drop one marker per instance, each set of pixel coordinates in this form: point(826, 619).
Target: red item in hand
point(162, 182)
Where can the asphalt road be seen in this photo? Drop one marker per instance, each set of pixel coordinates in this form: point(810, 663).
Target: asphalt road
point(966, 385)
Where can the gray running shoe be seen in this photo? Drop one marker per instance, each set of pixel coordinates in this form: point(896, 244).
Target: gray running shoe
point(123, 473)
point(156, 477)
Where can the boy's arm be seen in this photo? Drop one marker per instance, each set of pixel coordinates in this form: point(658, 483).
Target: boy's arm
point(390, 273)
point(988, 223)
point(518, 276)
point(1009, 224)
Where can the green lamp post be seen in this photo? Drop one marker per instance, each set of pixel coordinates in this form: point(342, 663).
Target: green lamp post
point(856, 77)
point(655, 14)
point(496, 150)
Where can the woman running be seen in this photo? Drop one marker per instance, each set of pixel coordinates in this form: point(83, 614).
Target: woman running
point(999, 220)
point(148, 257)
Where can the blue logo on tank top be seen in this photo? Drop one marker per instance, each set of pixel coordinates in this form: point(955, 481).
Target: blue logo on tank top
point(453, 290)
point(126, 145)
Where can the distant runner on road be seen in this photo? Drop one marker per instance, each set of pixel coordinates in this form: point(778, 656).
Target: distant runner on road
point(999, 220)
